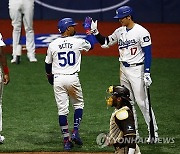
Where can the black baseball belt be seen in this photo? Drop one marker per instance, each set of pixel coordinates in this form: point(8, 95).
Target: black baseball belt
point(131, 65)
point(75, 73)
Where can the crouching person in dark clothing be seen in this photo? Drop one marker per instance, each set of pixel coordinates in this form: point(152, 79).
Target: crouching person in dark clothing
point(122, 133)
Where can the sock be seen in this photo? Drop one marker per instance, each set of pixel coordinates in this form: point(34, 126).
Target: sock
point(77, 118)
point(64, 127)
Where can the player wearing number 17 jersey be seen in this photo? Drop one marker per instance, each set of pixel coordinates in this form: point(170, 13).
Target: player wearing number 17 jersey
point(62, 65)
point(134, 44)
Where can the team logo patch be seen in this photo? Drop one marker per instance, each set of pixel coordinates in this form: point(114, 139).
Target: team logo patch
point(146, 39)
point(126, 43)
point(130, 128)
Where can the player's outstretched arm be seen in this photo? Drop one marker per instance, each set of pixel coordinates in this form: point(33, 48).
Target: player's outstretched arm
point(89, 36)
point(100, 38)
point(91, 28)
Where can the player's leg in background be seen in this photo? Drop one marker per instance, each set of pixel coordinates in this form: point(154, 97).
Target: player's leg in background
point(28, 25)
point(16, 18)
point(124, 81)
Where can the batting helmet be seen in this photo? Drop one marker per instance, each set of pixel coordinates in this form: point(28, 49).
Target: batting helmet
point(121, 91)
point(63, 24)
point(123, 11)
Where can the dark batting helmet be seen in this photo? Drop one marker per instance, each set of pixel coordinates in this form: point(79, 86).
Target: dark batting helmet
point(63, 24)
point(121, 91)
point(123, 11)
point(115, 92)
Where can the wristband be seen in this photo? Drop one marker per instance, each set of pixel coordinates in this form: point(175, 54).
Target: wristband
point(88, 31)
point(49, 75)
point(6, 70)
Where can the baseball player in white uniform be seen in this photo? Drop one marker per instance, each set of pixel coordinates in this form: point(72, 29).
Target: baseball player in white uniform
point(62, 65)
point(4, 79)
point(134, 44)
point(22, 11)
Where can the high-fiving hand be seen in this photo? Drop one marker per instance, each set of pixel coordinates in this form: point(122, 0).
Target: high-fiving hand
point(94, 29)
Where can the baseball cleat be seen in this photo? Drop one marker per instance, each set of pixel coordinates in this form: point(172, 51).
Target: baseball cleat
point(32, 59)
point(153, 140)
point(13, 60)
point(76, 138)
point(2, 138)
point(16, 60)
point(68, 145)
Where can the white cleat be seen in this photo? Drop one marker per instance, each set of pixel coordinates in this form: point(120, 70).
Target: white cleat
point(32, 59)
point(13, 60)
point(153, 140)
point(2, 138)
point(16, 59)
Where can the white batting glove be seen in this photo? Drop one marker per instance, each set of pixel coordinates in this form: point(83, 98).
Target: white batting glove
point(147, 79)
point(94, 29)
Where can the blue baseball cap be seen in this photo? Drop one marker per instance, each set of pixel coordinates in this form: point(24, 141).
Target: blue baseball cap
point(64, 23)
point(123, 11)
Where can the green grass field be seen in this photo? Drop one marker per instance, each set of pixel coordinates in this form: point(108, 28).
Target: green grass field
point(30, 121)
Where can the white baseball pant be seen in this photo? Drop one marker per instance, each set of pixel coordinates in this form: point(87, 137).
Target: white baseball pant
point(132, 78)
point(22, 11)
point(67, 87)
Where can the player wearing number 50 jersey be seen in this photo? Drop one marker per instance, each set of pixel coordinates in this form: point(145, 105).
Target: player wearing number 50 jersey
point(134, 44)
point(65, 54)
point(62, 66)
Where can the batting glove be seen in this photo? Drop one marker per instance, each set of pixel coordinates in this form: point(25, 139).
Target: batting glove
point(94, 29)
point(147, 79)
point(87, 24)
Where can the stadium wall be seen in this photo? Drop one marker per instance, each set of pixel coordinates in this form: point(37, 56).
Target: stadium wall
point(154, 11)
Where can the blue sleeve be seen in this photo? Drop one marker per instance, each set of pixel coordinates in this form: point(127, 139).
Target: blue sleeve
point(148, 57)
point(48, 68)
point(91, 39)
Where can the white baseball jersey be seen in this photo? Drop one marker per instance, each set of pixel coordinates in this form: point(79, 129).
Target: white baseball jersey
point(130, 43)
point(1, 85)
point(1, 41)
point(65, 54)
